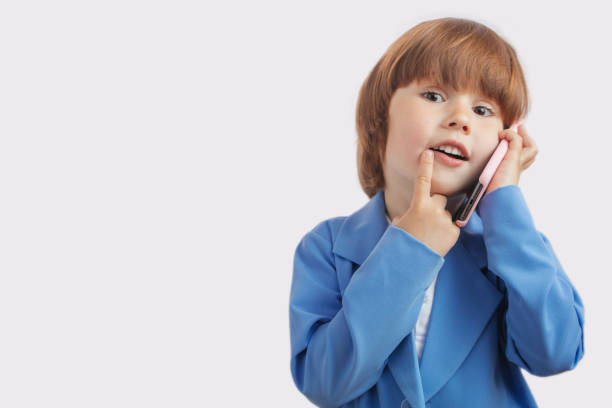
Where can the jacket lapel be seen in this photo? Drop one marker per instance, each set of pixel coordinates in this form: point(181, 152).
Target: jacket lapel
point(404, 366)
point(357, 237)
point(464, 301)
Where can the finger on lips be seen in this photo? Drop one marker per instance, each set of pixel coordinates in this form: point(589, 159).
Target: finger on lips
point(425, 170)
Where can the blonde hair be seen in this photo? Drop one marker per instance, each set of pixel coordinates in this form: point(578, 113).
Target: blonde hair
point(459, 53)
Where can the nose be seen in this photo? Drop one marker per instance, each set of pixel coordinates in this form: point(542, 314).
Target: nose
point(459, 124)
point(458, 120)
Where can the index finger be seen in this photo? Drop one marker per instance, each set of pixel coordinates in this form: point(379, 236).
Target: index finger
point(422, 183)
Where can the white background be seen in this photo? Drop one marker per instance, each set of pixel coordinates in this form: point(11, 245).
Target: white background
point(160, 161)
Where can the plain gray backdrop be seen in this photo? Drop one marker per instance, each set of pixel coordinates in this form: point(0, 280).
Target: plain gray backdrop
point(160, 161)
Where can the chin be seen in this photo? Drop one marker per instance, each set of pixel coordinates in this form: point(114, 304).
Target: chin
point(447, 189)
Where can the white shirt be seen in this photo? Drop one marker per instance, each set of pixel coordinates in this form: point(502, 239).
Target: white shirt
point(420, 329)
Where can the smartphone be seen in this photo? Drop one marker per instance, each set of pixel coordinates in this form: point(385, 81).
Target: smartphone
point(463, 213)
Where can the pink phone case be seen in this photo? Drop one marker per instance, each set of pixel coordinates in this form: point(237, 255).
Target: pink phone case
point(462, 215)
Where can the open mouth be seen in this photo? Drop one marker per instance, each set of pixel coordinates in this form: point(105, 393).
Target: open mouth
point(454, 156)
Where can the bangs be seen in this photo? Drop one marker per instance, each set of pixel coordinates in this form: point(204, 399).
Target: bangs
point(466, 57)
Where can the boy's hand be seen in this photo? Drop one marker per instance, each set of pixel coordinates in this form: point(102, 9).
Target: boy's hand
point(520, 155)
point(427, 218)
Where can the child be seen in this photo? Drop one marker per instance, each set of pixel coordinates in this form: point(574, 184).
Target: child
point(366, 328)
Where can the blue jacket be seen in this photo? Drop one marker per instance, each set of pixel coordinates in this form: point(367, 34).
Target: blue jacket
point(502, 302)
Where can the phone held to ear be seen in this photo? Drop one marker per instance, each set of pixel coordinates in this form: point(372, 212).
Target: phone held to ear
point(463, 213)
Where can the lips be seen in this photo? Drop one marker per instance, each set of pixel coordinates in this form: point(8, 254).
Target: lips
point(456, 144)
point(447, 160)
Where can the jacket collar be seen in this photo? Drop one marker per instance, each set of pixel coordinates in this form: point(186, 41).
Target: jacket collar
point(464, 301)
point(361, 231)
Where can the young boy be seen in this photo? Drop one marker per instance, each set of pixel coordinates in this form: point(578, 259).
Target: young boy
point(366, 329)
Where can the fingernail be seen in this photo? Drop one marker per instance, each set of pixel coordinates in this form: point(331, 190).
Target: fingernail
point(429, 153)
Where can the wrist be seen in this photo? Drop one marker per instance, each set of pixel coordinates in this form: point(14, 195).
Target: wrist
point(493, 187)
point(503, 207)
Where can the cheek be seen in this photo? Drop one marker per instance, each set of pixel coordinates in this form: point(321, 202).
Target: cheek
point(402, 152)
point(408, 130)
point(483, 154)
point(409, 140)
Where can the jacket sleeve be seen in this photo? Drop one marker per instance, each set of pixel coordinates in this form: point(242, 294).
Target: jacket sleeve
point(543, 323)
point(341, 344)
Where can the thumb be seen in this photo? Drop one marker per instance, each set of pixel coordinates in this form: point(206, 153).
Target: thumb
point(422, 183)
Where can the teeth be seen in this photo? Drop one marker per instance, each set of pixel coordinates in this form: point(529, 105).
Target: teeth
point(450, 149)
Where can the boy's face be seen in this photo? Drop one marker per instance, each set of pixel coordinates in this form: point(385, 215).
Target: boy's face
point(422, 115)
